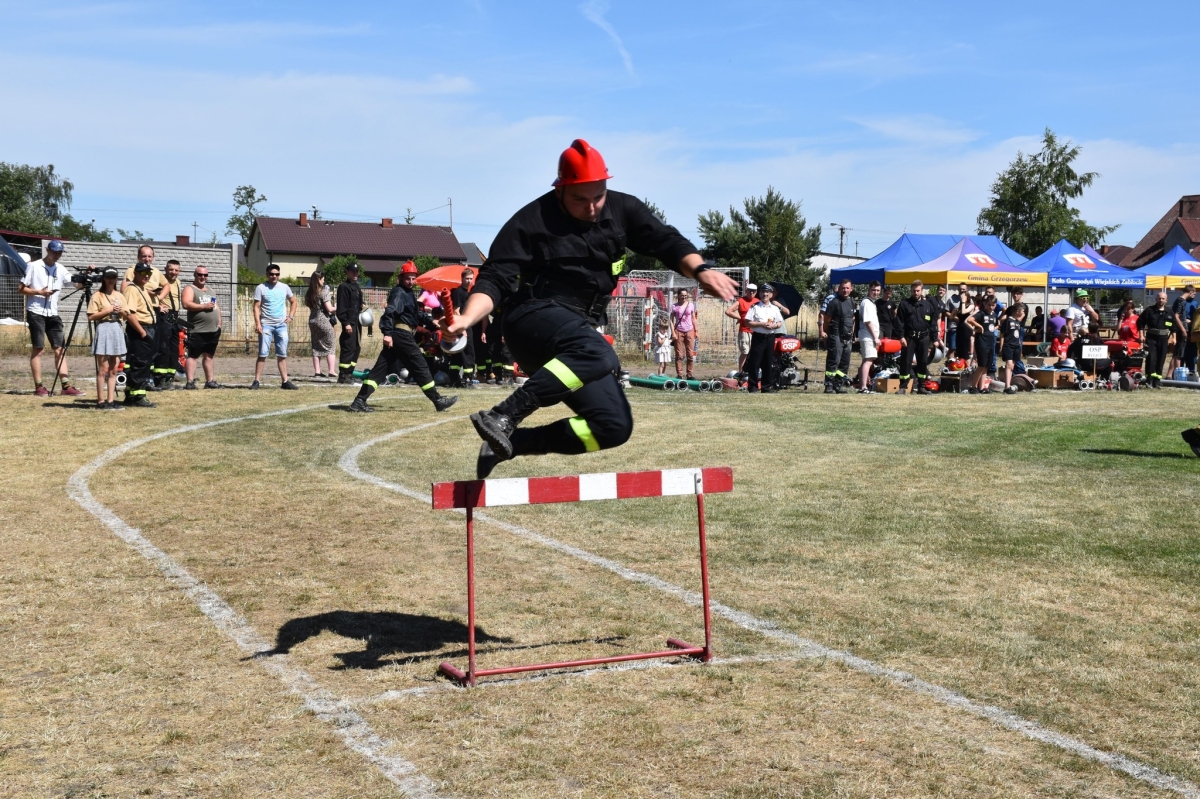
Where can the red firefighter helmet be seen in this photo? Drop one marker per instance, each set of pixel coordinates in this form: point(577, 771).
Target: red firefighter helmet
point(933, 385)
point(580, 163)
point(409, 268)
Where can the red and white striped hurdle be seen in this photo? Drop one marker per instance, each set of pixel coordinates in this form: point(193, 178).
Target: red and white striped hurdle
point(471, 494)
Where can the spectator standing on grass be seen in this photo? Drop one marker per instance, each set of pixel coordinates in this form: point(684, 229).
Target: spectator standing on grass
point(683, 326)
point(1079, 314)
point(738, 311)
point(166, 360)
point(1012, 333)
point(154, 286)
point(41, 287)
point(888, 328)
point(918, 318)
point(321, 323)
point(837, 333)
point(1179, 309)
point(662, 350)
point(1156, 324)
point(965, 339)
point(765, 321)
point(274, 308)
point(954, 308)
point(105, 311)
point(868, 336)
point(140, 338)
point(463, 363)
point(349, 306)
point(983, 324)
point(204, 323)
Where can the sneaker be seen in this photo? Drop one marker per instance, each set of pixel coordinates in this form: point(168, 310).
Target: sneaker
point(922, 390)
point(115, 406)
point(495, 429)
point(864, 391)
point(255, 385)
point(444, 403)
point(71, 391)
point(1010, 390)
point(486, 461)
point(41, 391)
point(212, 384)
point(360, 406)
point(102, 406)
point(140, 402)
point(288, 385)
point(189, 385)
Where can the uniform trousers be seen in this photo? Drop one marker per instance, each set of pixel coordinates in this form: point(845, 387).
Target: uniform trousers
point(569, 362)
point(916, 349)
point(463, 363)
point(762, 356)
point(1156, 355)
point(166, 357)
point(837, 355)
point(139, 360)
point(348, 349)
point(403, 354)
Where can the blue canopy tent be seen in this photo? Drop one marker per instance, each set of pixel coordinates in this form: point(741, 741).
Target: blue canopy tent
point(1176, 269)
point(1074, 268)
point(1090, 252)
point(914, 249)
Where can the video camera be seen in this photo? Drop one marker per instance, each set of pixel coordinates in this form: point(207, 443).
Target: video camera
point(86, 275)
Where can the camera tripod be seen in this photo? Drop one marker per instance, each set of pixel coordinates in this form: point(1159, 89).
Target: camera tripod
point(86, 289)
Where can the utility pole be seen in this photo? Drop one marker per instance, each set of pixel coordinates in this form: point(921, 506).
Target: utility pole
point(841, 236)
point(194, 226)
point(450, 202)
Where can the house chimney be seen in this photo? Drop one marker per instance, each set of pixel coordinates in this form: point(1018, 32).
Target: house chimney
point(303, 219)
point(387, 223)
point(183, 241)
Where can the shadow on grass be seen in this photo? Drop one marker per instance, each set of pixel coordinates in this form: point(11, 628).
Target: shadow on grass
point(395, 637)
point(1133, 453)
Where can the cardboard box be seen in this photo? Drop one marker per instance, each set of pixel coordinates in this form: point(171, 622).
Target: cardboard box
point(887, 385)
point(1064, 379)
point(1043, 377)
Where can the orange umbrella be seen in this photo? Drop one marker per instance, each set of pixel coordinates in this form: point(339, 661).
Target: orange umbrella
point(444, 277)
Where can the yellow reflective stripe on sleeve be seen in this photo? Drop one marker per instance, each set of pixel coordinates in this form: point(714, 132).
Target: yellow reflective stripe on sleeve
point(370, 383)
point(427, 386)
point(619, 266)
point(564, 374)
point(579, 427)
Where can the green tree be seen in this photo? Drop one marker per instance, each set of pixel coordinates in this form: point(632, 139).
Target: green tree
point(132, 235)
point(246, 200)
point(1031, 208)
point(33, 199)
point(644, 263)
point(72, 229)
point(335, 270)
point(770, 236)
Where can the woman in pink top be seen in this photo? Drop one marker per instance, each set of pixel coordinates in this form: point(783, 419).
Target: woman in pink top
point(683, 329)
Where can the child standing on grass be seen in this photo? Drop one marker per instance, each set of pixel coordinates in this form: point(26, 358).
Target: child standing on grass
point(662, 349)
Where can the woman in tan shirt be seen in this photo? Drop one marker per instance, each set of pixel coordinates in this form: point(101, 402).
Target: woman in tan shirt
point(106, 311)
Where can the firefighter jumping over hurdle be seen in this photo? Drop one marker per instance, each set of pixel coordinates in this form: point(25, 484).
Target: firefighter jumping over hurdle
point(552, 269)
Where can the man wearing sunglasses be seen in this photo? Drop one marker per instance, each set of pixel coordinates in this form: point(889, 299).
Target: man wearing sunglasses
point(204, 321)
point(274, 307)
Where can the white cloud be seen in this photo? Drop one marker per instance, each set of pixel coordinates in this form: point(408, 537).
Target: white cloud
point(921, 129)
point(595, 10)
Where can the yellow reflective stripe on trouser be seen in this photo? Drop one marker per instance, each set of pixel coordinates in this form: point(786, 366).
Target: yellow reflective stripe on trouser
point(579, 427)
point(371, 383)
point(348, 365)
point(565, 375)
point(427, 386)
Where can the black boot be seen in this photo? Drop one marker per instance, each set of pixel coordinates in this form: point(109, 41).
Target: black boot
point(486, 462)
point(360, 406)
point(839, 385)
point(495, 426)
point(829, 389)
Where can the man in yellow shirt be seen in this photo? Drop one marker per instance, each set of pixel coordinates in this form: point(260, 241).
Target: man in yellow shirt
point(139, 332)
point(154, 285)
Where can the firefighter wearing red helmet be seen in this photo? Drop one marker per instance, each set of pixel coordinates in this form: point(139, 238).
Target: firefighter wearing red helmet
point(400, 349)
point(551, 270)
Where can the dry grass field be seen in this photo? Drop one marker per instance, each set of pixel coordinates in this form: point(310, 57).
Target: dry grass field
point(1037, 553)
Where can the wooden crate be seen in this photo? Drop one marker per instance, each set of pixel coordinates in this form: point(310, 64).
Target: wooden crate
point(887, 385)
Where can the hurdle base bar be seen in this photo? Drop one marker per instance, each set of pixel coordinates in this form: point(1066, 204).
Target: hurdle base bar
point(677, 648)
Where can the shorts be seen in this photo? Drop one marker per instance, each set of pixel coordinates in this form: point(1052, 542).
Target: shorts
point(1010, 354)
point(743, 343)
point(43, 327)
point(1181, 345)
point(205, 343)
point(866, 348)
point(277, 333)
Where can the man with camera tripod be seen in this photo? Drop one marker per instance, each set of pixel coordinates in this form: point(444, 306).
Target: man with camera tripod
point(41, 286)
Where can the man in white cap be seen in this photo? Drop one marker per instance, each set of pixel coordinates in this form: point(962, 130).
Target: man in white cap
point(41, 287)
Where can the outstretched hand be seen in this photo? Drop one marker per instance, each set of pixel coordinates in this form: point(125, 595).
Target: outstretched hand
point(718, 284)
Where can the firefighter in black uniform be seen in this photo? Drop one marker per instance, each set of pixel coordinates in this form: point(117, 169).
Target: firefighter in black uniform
point(462, 363)
point(552, 269)
point(1157, 323)
point(166, 334)
point(400, 349)
point(838, 336)
point(918, 319)
point(349, 306)
point(887, 314)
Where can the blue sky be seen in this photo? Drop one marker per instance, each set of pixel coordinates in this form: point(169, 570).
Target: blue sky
point(882, 117)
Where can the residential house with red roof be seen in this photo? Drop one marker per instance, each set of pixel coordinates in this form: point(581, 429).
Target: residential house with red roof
point(1178, 226)
point(299, 245)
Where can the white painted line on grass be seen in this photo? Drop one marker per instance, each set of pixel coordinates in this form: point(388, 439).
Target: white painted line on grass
point(353, 729)
point(804, 646)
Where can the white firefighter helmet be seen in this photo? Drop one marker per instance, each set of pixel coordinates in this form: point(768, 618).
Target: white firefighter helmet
point(366, 318)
